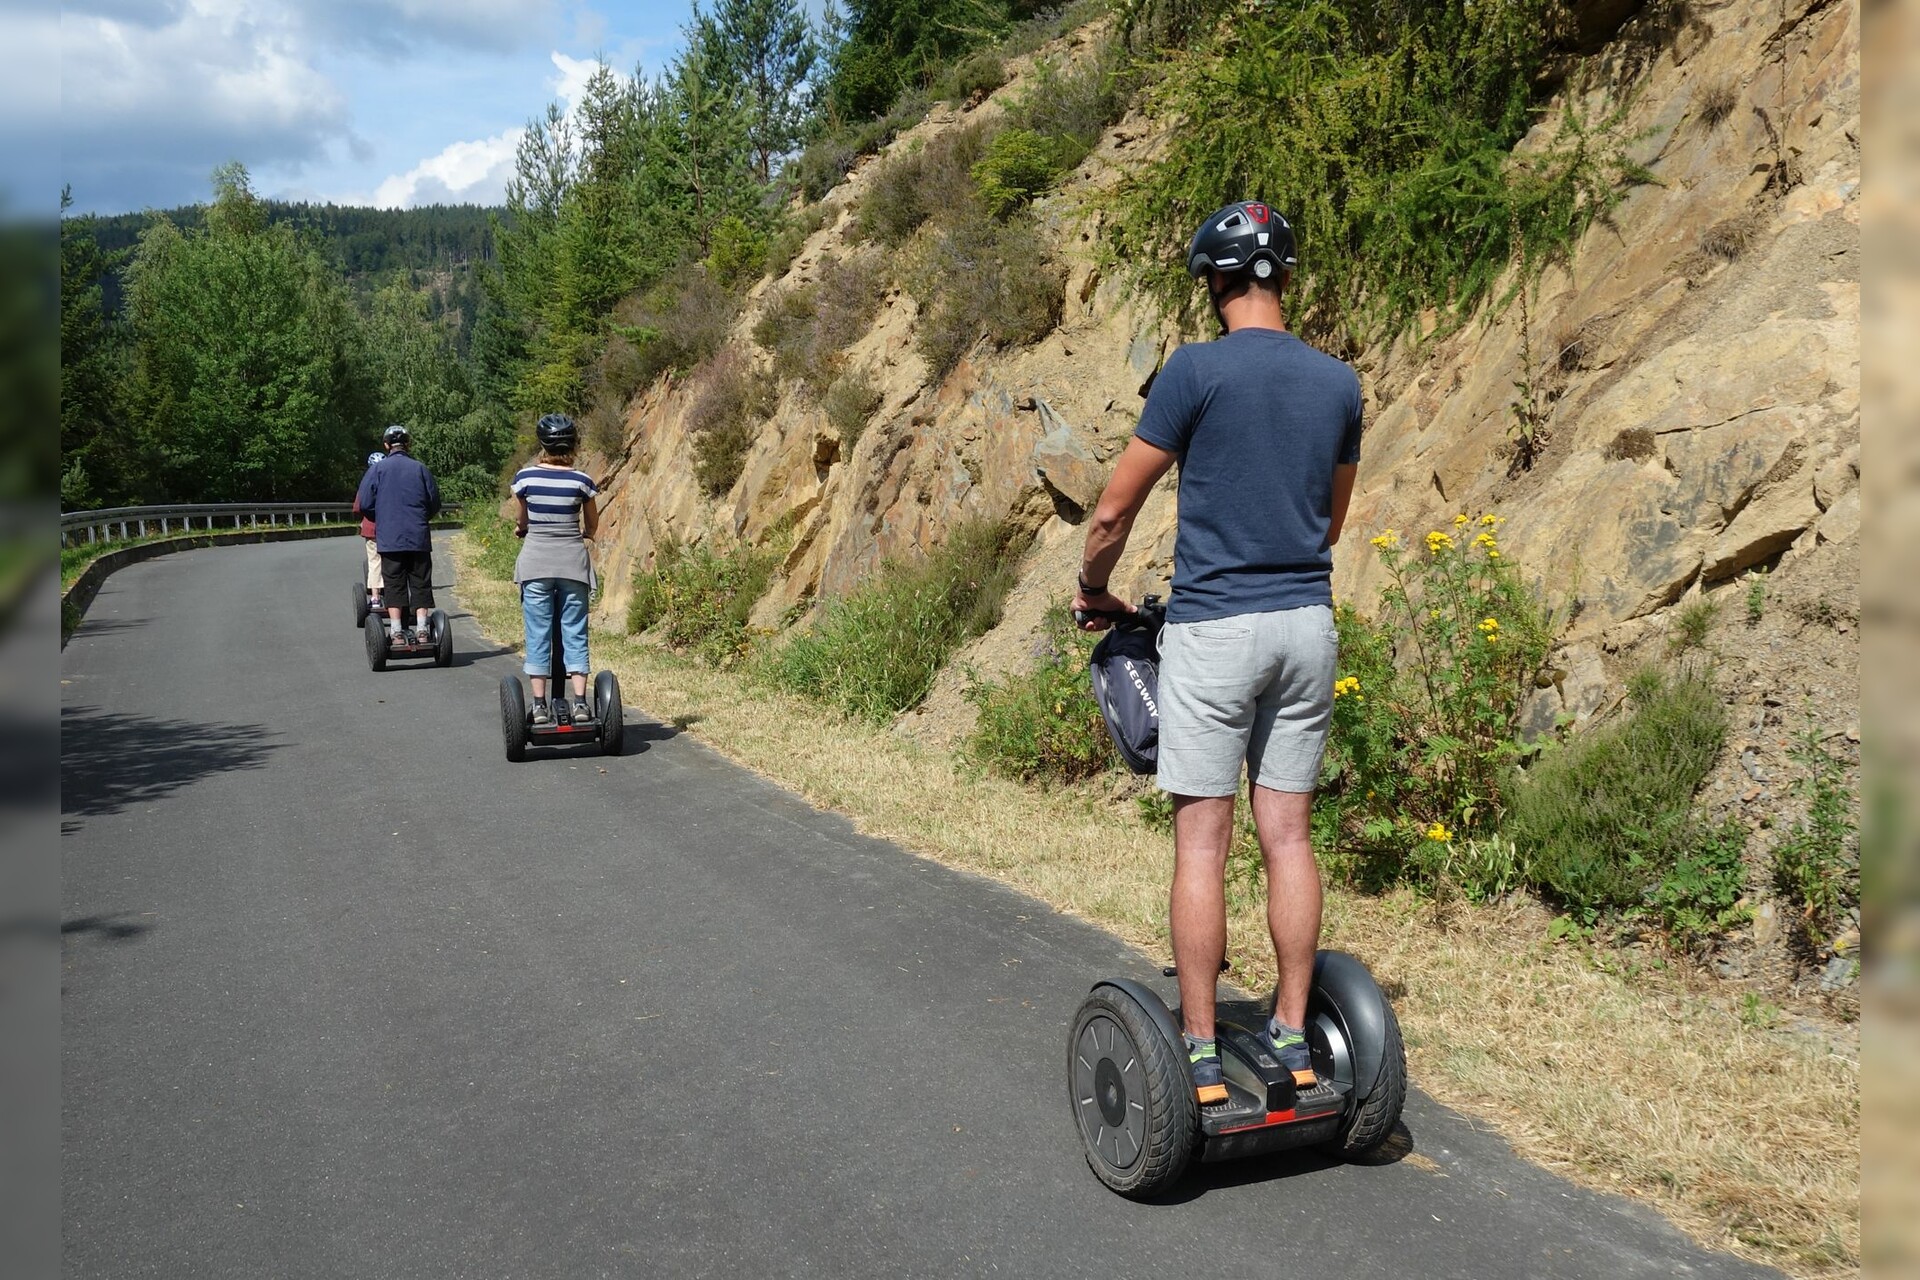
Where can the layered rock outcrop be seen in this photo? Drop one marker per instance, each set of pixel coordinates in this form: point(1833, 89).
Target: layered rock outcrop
point(1691, 373)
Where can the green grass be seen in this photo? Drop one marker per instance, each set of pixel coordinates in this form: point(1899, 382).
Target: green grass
point(875, 653)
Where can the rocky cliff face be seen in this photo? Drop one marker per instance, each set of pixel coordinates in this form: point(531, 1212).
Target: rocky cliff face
point(1692, 373)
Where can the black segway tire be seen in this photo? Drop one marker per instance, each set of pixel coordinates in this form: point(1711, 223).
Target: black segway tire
point(1369, 1120)
point(1131, 1094)
point(442, 632)
point(606, 706)
point(360, 603)
point(513, 718)
point(375, 631)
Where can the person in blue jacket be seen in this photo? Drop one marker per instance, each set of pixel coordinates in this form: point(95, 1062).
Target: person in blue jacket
point(400, 497)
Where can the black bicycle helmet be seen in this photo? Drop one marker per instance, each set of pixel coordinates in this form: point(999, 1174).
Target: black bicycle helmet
point(557, 433)
point(395, 434)
point(1245, 235)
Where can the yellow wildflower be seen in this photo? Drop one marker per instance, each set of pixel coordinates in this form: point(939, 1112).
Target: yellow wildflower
point(1438, 542)
point(1491, 520)
point(1493, 555)
point(1387, 541)
point(1486, 540)
point(1438, 831)
point(1461, 519)
point(1346, 685)
point(1490, 624)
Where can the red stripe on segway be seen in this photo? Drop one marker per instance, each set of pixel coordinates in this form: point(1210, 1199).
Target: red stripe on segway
point(1273, 1118)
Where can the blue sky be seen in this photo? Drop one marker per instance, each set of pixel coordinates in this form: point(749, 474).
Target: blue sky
point(390, 102)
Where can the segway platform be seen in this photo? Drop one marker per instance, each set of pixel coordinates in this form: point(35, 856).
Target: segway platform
point(606, 725)
point(383, 647)
point(1132, 1093)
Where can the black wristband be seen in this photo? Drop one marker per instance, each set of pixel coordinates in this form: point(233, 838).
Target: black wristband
point(1089, 589)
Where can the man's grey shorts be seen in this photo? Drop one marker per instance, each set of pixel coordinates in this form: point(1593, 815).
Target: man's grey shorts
point(1256, 688)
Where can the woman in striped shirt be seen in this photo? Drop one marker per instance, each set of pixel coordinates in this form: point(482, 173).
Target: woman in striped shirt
point(557, 518)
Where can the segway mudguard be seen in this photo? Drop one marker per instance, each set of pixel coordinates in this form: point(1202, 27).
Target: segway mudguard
point(1345, 986)
point(1153, 1005)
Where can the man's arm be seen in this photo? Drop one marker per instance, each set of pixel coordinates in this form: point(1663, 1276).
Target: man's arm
point(1140, 467)
point(1343, 478)
point(433, 494)
point(364, 496)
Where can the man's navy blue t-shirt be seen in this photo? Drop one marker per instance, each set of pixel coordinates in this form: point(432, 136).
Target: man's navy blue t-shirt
point(1259, 420)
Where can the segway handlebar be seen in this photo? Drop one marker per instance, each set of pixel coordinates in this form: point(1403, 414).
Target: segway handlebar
point(1149, 616)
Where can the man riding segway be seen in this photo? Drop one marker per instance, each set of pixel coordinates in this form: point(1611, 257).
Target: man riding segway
point(1267, 434)
point(399, 495)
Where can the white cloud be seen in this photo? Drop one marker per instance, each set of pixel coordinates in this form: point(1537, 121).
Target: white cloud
point(571, 84)
point(478, 172)
point(464, 173)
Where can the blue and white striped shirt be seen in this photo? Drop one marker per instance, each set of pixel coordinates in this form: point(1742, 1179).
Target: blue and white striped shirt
point(554, 496)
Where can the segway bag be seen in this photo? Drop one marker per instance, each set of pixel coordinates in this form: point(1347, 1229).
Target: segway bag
point(1126, 683)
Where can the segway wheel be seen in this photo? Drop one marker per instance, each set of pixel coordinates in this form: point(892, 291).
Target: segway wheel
point(442, 631)
point(1131, 1094)
point(513, 718)
point(606, 705)
point(359, 603)
point(1368, 1120)
point(375, 631)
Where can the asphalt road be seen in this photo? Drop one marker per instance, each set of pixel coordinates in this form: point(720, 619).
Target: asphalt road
point(348, 995)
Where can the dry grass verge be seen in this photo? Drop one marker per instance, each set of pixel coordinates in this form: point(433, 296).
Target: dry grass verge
point(1746, 1137)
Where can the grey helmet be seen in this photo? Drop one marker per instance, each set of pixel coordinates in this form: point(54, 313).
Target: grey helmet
point(394, 435)
point(1246, 235)
point(374, 457)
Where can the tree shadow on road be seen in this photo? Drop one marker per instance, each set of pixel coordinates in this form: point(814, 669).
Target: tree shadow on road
point(110, 761)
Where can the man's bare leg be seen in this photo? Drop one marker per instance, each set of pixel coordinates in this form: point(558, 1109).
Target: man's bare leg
point(1202, 833)
point(1284, 821)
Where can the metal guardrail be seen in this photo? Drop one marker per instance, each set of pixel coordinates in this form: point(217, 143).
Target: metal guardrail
point(140, 522)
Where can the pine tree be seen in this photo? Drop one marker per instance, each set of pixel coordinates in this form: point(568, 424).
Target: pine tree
point(768, 49)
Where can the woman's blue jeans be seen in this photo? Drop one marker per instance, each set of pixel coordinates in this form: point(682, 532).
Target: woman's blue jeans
point(536, 602)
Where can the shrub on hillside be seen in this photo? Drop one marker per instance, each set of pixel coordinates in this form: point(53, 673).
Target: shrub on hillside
point(875, 653)
point(935, 182)
point(1043, 725)
point(831, 156)
point(1602, 820)
point(1018, 165)
point(674, 325)
point(979, 72)
point(806, 327)
point(1072, 106)
point(699, 599)
point(850, 404)
point(728, 409)
point(982, 278)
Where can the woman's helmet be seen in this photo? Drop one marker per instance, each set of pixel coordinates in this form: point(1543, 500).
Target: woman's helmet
point(557, 433)
point(1246, 235)
point(374, 457)
point(395, 434)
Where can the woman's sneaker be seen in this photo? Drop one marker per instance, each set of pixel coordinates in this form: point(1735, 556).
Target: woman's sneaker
point(1289, 1045)
point(1209, 1082)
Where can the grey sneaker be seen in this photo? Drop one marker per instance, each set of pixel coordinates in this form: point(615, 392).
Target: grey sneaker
point(542, 714)
point(1209, 1080)
point(1289, 1045)
point(581, 711)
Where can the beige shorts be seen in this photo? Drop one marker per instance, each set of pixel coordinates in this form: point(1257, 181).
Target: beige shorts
point(1254, 690)
point(374, 581)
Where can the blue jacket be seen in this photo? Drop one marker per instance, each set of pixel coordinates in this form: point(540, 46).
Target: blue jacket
point(399, 495)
